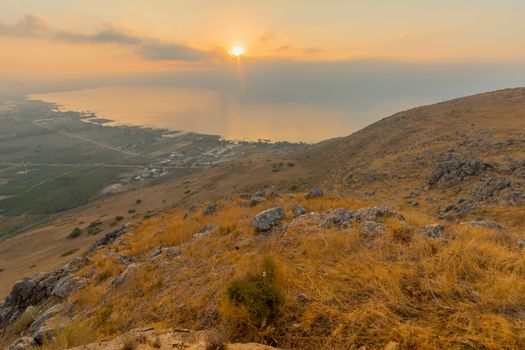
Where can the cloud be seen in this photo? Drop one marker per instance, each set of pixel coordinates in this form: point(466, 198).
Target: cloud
point(107, 35)
point(29, 25)
point(148, 48)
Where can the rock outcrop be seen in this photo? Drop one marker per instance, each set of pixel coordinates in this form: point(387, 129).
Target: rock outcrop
point(451, 172)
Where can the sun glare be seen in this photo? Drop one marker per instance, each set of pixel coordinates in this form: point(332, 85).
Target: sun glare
point(237, 51)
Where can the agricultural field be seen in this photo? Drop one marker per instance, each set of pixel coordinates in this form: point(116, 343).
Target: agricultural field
point(53, 160)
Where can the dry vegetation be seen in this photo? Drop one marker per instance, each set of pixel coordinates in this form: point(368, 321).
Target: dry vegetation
point(339, 289)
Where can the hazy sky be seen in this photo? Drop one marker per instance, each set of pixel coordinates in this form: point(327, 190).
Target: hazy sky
point(333, 52)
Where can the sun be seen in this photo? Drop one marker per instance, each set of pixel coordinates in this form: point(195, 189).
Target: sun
point(237, 51)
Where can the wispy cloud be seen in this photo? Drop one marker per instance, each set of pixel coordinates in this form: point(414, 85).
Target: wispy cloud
point(29, 25)
point(148, 48)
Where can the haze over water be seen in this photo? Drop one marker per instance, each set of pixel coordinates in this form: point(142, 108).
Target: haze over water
point(205, 111)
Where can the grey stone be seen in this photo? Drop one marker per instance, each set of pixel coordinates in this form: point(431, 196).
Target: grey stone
point(124, 277)
point(453, 171)
point(486, 224)
point(24, 343)
point(68, 284)
point(374, 213)
point(210, 209)
point(253, 202)
point(204, 231)
point(303, 298)
point(372, 229)
point(433, 231)
point(167, 251)
point(108, 238)
point(314, 193)
point(299, 210)
point(489, 188)
point(268, 219)
point(338, 218)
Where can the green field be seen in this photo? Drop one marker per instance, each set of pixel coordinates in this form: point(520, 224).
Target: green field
point(60, 192)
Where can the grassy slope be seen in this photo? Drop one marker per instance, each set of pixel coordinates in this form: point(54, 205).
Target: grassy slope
point(460, 291)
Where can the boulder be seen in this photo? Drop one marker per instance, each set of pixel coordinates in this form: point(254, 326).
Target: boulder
point(68, 284)
point(374, 213)
point(24, 343)
point(253, 202)
point(486, 224)
point(314, 193)
point(108, 238)
point(210, 209)
point(268, 219)
point(124, 277)
point(44, 316)
point(205, 231)
point(303, 299)
point(372, 229)
point(168, 251)
point(299, 210)
point(47, 324)
point(338, 218)
point(433, 231)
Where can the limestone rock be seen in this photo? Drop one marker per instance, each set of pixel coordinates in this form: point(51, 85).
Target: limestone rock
point(68, 284)
point(268, 219)
point(338, 218)
point(108, 238)
point(314, 193)
point(205, 231)
point(210, 209)
point(486, 224)
point(372, 229)
point(24, 343)
point(434, 230)
point(299, 210)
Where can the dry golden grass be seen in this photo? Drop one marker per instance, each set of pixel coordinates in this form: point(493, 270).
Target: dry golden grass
point(462, 291)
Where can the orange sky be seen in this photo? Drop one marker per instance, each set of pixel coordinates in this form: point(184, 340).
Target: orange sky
point(43, 38)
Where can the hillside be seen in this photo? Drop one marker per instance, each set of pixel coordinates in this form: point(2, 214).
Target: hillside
point(416, 243)
point(470, 148)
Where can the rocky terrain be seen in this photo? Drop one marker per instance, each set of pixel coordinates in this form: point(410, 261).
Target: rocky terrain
point(412, 239)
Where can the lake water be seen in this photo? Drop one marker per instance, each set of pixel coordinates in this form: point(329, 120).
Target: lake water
point(206, 111)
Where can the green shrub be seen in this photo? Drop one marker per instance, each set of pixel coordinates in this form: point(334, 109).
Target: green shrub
point(138, 201)
point(119, 218)
point(75, 233)
point(69, 252)
point(2, 269)
point(258, 295)
point(131, 211)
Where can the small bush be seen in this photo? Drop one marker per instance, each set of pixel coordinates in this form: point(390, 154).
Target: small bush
point(138, 201)
point(94, 224)
point(258, 295)
point(131, 211)
point(75, 233)
point(103, 275)
point(2, 269)
point(119, 218)
point(69, 252)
